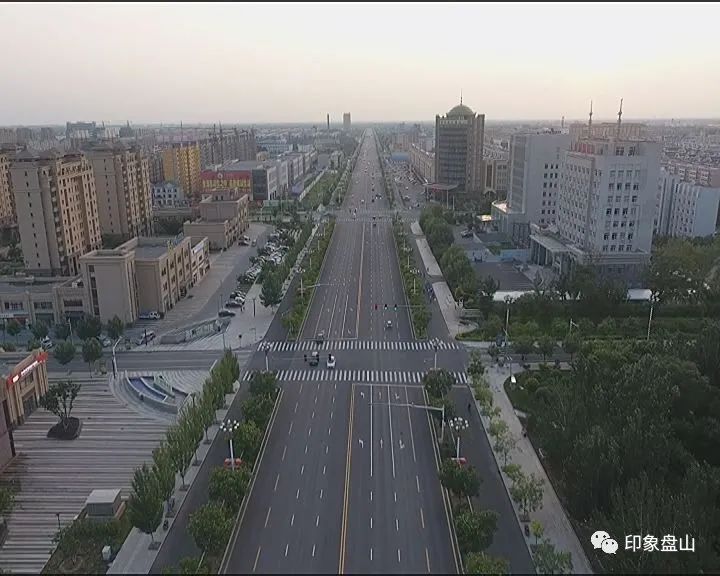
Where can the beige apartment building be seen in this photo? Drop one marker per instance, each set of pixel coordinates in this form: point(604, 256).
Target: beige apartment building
point(122, 184)
point(29, 299)
point(223, 218)
point(141, 275)
point(181, 164)
point(7, 200)
point(57, 211)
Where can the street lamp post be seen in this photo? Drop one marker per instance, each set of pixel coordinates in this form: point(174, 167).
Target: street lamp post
point(508, 300)
point(653, 299)
point(114, 359)
point(459, 424)
point(229, 427)
point(436, 345)
point(265, 347)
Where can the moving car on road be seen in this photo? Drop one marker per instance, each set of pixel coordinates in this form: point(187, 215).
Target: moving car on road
point(388, 325)
point(331, 361)
point(314, 358)
point(320, 337)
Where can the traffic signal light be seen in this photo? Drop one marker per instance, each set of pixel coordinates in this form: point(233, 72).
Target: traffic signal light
point(395, 307)
point(375, 306)
point(385, 306)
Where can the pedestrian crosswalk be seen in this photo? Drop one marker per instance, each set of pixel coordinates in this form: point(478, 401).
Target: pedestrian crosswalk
point(379, 345)
point(357, 376)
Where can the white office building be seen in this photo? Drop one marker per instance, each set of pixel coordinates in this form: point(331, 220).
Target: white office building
point(685, 209)
point(533, 181)
point(605, 209)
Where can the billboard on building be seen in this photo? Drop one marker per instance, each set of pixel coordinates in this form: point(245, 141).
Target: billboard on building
point(226, 179)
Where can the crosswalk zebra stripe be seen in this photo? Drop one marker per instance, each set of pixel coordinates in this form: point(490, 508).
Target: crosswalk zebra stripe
point(388, 377)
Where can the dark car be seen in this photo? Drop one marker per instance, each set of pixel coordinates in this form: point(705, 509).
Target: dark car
point(314, 359)
point(225, 313)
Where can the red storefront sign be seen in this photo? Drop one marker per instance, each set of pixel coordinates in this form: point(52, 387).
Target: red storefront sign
point(41, 358)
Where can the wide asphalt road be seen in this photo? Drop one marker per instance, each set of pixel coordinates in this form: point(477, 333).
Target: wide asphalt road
point(310, 510)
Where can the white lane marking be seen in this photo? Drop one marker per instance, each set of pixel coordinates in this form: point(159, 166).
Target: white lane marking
point(296, 407)
point(427, 560)
point(277, 479)
point(317, 520)
point(301, 386)
point(397, 525)
point(371, 437)
point(313, 555)
point(257, 557)
point(329, 430)
point(321, 493)
point(324, 470)
point(417, 483)
point(309, 430)
point(398, 555)
point(286, 549)
point(306, 448)
point(370, 522)
point(412, 437)
point(395, 496)
point(290, 430)
point(370, 554)
point(283, 456)
point(292, 520)
point(316, 396)
point(392, 447)
point(313, 415)
point(267, 517)
point(422, 518)
point(370, 495)
point(297, 494)
point(326, 449)
point(302, 469)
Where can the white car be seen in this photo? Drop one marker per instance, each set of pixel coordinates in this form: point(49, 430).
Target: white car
point(331, 361)
point(47, 343)
point(153, 315)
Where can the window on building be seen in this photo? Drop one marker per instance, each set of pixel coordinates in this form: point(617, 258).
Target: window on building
point(634, 198)
point(612, 247)
point(630, 236)
point(621, 248)
point(605, 236)
point(605, 248)
point(614, 236)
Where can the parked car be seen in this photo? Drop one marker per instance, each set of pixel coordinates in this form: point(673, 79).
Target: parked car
point(105, 341)
point(233, 304)
point(145, 338)
point(254, 242)
point(152, 315)
point(466, 233)
point(225, 313)
point(46, 343)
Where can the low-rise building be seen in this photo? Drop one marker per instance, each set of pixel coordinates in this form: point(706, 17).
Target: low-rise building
point(422, 163)
point(223, 218)
point(167, 194)
point(29, 299)
point(23, 386)
point(141, 275)
point(200, 255)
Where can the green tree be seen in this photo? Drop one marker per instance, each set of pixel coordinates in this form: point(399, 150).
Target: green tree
point(91, 352)
point(462, 481)
point(32, 344)
point(438, 383)
point(527, 492)
point(571, 345)
point(64, 352)
point(89, 327)
point(59, 400)
point(164, 472)
point(263, 384)
point(487, 288)
point(524, 345)
point(505, 441)
point(115, 327)
point(7, 501)
point(210, 527)
point(40, 330)
point(475, 366)
point(13, 328)
point(271, 294)
point(257, 409)
point(248, 439)
point(145, 504)
point(181, 448)
point(481, 563)
point(537, 530)
point(188, 566)
point(229, 486)
point(549, 561)
point(61, 330)
point(546, 345)
point(475, 530)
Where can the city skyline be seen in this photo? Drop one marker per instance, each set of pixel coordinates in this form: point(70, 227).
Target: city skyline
point(382, 64)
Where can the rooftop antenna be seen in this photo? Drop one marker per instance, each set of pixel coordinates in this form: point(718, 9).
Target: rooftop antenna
point(619, 118)
point(460, 96)
point(562, 123)
point(590, 121)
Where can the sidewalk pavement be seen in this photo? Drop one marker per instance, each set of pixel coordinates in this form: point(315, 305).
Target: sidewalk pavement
point(448, 307)
point(135, 557)
point(431, 265)
point(557, 527)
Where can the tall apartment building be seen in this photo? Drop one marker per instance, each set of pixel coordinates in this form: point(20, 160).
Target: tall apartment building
point(155, 167)
point(459, 142)
point(605, 208)
point(7, 199)
point(181, 164)
point(686, 209)
point(122, 184)
point(57, 210)
point(533, 183)
point(346, 121)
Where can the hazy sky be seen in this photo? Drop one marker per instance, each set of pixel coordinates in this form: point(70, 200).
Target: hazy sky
point(296, 62)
